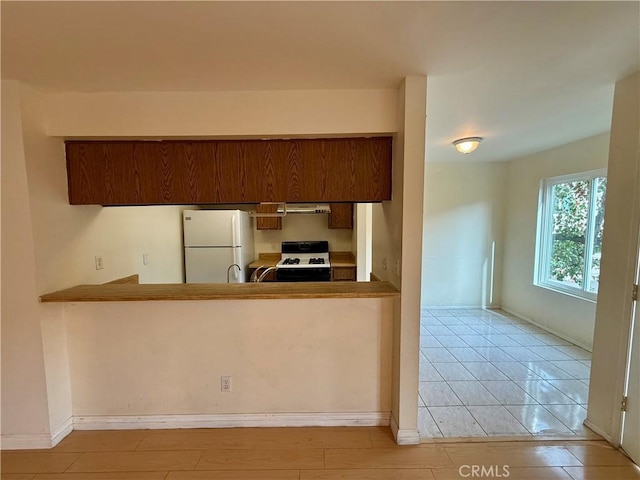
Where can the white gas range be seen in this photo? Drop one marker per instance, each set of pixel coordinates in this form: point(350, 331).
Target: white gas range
point(304, 262)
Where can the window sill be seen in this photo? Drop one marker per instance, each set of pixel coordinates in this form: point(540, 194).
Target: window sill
point(591, 298)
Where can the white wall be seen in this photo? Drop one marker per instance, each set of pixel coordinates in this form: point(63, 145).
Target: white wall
point(284, 356)
point(24, 390)
point(245, 113)
point(362, 239)
point(571, 317)
point(48, 245)
point(397, 238)
point(73, 235)
point(304, 227)
point(463, 233)
point(619, 250)
point(67, 238)
point(38, 150)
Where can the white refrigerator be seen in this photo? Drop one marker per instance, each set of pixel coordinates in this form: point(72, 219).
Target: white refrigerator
point(215, 240)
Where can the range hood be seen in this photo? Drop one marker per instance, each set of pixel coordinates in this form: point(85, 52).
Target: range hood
point(284, 209)
point(308, 209)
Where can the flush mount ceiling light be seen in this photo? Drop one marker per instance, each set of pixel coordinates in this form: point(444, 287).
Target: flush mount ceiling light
point(468, 144)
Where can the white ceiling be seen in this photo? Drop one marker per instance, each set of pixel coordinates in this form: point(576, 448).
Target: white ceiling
point(525, 75)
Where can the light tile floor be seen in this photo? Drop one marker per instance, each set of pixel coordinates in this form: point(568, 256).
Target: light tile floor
point(487, 373)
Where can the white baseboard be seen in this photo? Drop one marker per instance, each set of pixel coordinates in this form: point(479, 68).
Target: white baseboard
point(550, 330)
point(62, 431)
point(231, 420)
point(459, 307)
point(25, 442)
point(404, 436)
point(36, 441)
point(599, 431)
point(228, 420)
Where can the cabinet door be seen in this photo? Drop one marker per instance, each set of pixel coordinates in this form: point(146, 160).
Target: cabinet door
point(343, 274)
point(273, 166)
point(237, 172)
point(211, 172)
point(357, 170)
point(114, 173)
point(229, 171)
point(341, 215)
point(372, 169)
point(268, 223)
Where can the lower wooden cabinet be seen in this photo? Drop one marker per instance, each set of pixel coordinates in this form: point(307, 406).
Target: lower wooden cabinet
point(338, 274)
point(343, 274)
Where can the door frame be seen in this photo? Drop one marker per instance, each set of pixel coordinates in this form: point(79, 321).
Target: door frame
point(632, 346)
point(626, 337)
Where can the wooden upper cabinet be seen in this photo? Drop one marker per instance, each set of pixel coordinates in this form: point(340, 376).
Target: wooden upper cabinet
point(268, 223)
point(229, 171)
point(341, 215)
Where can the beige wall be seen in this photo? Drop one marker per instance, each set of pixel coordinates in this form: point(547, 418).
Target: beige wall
point(619, 250)
point(294, 112)
point(415, 112)
point(463, 233)
point(145, 358)
point(362, 239)
point(571, 317)
point(24, 389)
point(73, 235)
point(397, 240)
point(67, 238)
point(48, 244)
point(304, 227)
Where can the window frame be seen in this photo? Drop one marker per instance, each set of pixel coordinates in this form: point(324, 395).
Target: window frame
point(544, 233)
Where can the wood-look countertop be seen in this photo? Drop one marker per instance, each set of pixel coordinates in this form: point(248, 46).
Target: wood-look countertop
point(221, 291)
point(266, 260)
point(337, 259)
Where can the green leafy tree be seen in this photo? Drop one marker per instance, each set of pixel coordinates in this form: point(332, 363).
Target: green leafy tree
point(570, 229)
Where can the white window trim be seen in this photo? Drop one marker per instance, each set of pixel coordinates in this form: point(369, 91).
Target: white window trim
point(543, 233)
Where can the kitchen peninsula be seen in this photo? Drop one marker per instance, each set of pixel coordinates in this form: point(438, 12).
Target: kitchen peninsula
point(125, 292)
point(154, 355)
point(297, 354)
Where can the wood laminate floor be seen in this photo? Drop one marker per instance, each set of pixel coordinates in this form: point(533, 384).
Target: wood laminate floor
point(346, 453)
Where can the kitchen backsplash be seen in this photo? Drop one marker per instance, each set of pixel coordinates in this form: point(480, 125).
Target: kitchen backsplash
point(303, 227)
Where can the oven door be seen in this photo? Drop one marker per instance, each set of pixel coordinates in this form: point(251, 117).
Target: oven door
point(303, 274)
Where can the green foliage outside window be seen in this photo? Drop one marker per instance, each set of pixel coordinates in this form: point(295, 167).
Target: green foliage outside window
point(576, 231)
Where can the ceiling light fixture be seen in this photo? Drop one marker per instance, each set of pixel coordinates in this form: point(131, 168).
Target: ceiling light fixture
point(468, 144)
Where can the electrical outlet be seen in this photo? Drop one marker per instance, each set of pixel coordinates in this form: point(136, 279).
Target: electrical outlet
point(99, 263)
point(384, 263)
point(145, 259)
point(396, 267)
point(274, 247)
point(225, 384)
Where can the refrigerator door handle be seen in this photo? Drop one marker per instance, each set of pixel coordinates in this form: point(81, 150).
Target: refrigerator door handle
point(234, 236)
point(236, 260)
point(234, 239)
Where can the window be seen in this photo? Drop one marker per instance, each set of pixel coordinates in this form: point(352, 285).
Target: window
point(570, 226)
